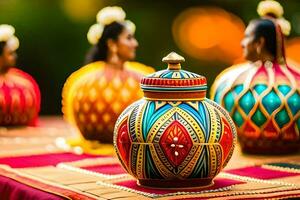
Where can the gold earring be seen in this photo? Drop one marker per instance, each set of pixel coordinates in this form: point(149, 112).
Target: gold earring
point(114, 56)
point(258, 50)
point(114, 49)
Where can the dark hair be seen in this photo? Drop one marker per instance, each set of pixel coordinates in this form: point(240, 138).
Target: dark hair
point(99, 51)
point(2, 45)
point(266, 28)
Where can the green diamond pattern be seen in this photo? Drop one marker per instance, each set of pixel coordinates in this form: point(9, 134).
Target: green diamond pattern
point(284, 89)
point(294, 103)
point(259, 118)
point(282, 118)
point(229, 101)
point(238, 89)
point(247, 102)
point(271, 101)
point(238, 119)
point(260, 88)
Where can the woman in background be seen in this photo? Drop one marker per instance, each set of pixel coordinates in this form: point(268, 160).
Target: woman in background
point(19, 93)
point(95, 95)
point(263, 95)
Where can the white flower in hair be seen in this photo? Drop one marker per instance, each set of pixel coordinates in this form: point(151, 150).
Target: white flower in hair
point(105, 17)
point(6, 32)
point(285, 25)
point(130, 26)
point(95, 33)
point(110, 14)
point(269, 7)
point(13, 43)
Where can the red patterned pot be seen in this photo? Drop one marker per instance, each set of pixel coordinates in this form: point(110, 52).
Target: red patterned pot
point(19, 98)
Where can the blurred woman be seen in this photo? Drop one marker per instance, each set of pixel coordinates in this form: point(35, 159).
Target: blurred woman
point(263, 95)
point(19, 93)
point(95, 95)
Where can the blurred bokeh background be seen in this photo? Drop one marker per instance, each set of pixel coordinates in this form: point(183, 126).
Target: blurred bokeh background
point(207, 33)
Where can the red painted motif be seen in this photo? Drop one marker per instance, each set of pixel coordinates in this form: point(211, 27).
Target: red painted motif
point(124, 142)
point(290, 133)
point(227, 139)
point(176, 143)
point(270, 131)
point(250, 131)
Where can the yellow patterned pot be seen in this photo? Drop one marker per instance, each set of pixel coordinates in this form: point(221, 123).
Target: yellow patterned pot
point(174, 136)
point(95, 95)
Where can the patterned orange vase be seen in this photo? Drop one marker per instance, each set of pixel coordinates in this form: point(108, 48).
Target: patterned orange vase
point(95, 95)
point(174, 136)
point(264, 101)
point(19, 98)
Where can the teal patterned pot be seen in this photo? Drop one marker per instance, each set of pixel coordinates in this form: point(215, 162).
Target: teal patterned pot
point(264, 101)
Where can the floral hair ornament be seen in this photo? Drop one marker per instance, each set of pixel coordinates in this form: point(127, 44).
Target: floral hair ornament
point(130, 26)
point(105, 17)
point(95, 33)
point(7, 35)
point(270, 7)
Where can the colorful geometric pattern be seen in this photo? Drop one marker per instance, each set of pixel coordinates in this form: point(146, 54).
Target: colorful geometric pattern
point(162, 141)
point(264, 102)
point(19, 98)
point(95, 95)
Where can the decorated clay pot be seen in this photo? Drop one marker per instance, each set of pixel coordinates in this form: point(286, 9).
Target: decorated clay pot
point(264, 101)
point(174, 136)
point(95, 95)
point(19, 98)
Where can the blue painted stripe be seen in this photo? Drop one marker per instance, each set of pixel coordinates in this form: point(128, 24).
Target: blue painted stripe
point(153, 116)
point(196, 116)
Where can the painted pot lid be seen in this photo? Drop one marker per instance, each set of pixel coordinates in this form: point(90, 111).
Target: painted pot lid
point(174, 83)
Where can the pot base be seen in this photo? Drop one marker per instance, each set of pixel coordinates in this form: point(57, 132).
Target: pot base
point(176, 183)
